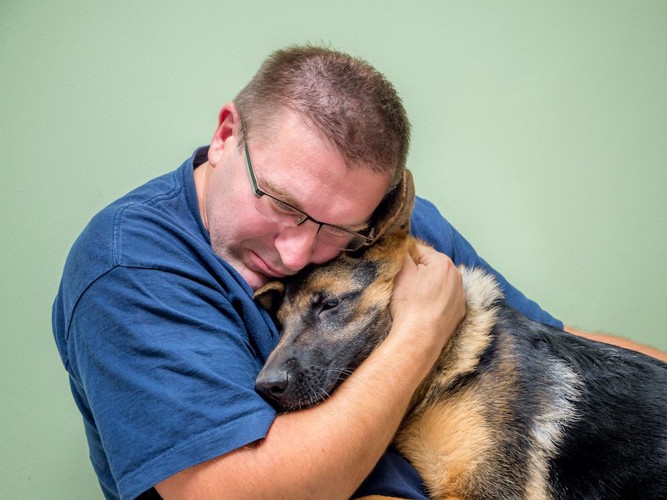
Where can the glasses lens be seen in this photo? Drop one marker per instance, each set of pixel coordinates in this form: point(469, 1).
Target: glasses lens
point(354, 244)
point(340, 238)
point(279, 211)
point(289, 216)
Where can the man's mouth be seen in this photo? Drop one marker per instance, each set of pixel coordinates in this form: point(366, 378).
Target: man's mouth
point(262, 267)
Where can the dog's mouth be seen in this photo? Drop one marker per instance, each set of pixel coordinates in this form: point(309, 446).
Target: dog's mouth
point(291, 387)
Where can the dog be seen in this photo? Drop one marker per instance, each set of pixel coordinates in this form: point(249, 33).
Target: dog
point(513, 409)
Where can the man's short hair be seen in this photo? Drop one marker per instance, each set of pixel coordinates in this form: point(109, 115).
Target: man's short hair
point(348, 102)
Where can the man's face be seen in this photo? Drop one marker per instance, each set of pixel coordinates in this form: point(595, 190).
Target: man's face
point(293, 164)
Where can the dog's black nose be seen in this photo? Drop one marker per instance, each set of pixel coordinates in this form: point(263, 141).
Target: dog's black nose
point(272, 384)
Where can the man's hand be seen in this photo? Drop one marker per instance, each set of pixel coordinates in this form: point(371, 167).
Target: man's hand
point(428, 301)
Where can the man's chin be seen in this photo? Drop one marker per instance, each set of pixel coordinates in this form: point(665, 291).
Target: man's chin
point(256, 280)
point(258, 272)
point(253, 278)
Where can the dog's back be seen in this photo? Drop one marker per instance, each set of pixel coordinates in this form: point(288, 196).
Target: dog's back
point(614, 445)
point(619, 435)
point(517, 409)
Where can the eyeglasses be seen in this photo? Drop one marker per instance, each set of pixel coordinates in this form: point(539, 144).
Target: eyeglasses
point(288, 216)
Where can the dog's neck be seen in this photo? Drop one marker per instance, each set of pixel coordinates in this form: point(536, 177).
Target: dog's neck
point(462, 353)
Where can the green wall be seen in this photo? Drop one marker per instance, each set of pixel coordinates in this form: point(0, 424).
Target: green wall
point(540, 130)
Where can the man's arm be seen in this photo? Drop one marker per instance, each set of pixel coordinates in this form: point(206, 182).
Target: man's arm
point(620, 342)
point(326, 451)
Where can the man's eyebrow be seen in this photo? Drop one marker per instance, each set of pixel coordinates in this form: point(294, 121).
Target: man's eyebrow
point(281, 194)
point(357, 228)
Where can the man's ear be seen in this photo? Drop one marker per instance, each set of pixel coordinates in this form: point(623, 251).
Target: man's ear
point(270, 296)
point(229, 123)
point(395, 210)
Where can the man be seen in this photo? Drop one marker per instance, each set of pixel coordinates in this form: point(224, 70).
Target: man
point(155, 322)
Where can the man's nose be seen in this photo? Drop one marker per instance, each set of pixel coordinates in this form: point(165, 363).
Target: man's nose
point(296, 244)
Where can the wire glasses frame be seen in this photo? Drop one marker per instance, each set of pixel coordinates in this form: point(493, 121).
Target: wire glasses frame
point(287, 215)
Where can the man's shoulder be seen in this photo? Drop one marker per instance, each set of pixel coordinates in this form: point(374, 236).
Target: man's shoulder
point(429, 225)
point(152, 226)
point(114, 233)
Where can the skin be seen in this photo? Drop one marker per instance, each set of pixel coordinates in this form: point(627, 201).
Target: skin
point(325, 451)
point(296, 166)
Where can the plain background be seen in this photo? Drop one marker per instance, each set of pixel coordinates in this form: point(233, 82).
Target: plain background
point(540, 131)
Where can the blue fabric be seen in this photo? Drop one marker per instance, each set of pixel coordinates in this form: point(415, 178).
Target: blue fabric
point(162, 341)
point(393, 476)
point(430, 226)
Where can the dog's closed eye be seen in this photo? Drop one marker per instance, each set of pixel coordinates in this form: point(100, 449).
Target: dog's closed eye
point(330, 304)
point(321, 303)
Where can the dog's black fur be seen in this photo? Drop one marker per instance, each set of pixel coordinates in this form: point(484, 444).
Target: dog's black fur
point(616, 444)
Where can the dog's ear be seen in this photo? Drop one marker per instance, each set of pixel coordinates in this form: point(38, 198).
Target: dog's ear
point(395, 210)
point(270, 296)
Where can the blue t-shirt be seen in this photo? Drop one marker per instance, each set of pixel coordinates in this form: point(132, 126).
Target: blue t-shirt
point(162, 340)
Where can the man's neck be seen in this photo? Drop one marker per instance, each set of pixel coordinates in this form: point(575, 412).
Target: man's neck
point(201, 176)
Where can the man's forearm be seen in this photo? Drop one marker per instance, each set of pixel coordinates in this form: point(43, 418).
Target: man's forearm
point(322, 452)
point(620, 342)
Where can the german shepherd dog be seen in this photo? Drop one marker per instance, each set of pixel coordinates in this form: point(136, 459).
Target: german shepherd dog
point(513, 409)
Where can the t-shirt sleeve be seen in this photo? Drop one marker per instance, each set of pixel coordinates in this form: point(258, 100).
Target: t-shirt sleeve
point(430, 226)
point(393, 477)
point(163, 369)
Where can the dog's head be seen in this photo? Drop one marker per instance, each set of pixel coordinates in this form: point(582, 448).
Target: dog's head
point(332, 316)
